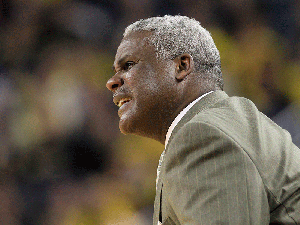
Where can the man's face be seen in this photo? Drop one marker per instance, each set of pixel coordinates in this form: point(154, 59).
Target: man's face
point(143, 87)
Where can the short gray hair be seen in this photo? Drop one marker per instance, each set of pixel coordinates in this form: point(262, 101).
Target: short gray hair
point(176, 35)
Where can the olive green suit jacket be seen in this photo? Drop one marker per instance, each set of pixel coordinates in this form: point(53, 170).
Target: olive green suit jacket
point(227, 163)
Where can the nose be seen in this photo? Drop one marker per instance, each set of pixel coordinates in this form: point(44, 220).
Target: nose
point(114, 83)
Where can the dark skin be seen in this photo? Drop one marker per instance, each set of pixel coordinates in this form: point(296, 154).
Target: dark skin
point(151, 92)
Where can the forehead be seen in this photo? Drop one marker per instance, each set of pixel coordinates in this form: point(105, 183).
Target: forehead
point(135, 45)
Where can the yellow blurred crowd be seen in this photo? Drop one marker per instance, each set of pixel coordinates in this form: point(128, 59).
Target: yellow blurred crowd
point(52, 85)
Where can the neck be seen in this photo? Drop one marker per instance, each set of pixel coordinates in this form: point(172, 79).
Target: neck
point(155, 136)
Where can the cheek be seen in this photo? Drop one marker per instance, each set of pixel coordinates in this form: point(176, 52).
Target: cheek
point(151, 87)
point(147, 81)
point(143, 81)
point(129, 75)
point(151, 79)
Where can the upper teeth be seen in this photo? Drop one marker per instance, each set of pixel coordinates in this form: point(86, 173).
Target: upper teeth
point(123, 100)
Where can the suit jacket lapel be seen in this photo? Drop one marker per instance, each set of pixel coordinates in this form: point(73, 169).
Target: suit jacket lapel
point(206, 102)
point(157, 202)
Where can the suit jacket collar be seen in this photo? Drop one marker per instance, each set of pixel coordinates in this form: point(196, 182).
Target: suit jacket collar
point(181, 115)
point(204, 103)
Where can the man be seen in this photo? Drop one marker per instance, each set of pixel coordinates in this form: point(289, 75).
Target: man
point(224, 162)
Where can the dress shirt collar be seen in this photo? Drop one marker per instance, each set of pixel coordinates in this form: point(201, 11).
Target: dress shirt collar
point(180, 115)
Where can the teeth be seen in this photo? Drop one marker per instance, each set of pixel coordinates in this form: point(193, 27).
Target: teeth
point(123, 100)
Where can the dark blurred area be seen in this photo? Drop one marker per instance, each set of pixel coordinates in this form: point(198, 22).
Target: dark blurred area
point(62, 158)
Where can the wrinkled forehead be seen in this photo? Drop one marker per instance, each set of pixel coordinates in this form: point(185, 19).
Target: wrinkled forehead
point(140, 35)
point(135, 43)
point(128, 46)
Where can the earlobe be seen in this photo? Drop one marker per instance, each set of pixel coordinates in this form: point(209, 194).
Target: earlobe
point(185, 65)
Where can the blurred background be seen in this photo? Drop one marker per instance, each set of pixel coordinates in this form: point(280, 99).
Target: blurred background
point(62, 157)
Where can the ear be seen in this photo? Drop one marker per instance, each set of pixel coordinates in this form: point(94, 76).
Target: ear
point(184, 65)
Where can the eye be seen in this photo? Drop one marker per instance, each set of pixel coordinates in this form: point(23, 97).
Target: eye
point(128, 65)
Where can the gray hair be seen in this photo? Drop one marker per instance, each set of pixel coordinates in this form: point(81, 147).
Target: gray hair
point(176, 35)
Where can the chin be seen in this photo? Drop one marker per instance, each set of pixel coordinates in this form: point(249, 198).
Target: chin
point(133, 125)
point(126, 126)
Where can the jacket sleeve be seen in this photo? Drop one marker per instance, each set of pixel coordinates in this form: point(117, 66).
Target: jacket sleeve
point(210, 179)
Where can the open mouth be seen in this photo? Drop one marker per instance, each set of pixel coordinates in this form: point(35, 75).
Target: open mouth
point(123, 101)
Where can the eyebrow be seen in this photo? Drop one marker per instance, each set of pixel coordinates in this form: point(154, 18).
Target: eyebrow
point(121, 61)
